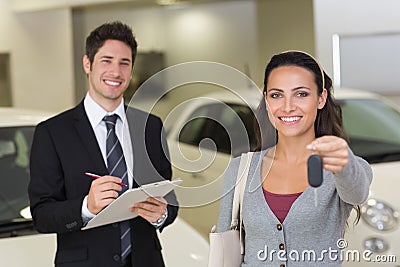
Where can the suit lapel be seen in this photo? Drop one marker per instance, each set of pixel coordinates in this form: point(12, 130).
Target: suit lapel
point(135, 142)
point(88, 138)
point(144, 171)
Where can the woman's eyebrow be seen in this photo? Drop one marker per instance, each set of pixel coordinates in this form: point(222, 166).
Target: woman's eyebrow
point(294, 89)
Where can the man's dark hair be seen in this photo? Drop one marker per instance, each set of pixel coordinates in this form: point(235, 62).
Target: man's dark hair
point(110, 31)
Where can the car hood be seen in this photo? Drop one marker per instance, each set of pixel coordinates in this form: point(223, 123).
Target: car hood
point(386, 176)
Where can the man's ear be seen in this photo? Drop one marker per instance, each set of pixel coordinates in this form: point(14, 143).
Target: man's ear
point(86, 64)
point(322, 99)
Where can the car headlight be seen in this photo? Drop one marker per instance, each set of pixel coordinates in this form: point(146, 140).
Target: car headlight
point(376, 245)
point(379, 215)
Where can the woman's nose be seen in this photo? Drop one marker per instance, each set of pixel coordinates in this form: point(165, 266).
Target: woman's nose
point(289, 105)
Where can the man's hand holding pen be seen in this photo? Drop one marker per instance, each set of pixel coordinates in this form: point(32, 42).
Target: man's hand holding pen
point(102, 192)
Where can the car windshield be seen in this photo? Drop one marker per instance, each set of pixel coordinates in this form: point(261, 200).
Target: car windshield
point(215, 121)
point(15, 144)
point(374, 129)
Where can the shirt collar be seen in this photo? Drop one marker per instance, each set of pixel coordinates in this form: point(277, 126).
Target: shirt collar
point(96, 113)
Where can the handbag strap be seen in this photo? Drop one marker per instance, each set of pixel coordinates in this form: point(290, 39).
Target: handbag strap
point(237, 204)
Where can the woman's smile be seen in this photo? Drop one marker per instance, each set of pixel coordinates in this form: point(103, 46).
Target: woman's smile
point(290, 119)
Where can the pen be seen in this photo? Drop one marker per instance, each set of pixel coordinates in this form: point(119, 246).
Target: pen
point(95, 176)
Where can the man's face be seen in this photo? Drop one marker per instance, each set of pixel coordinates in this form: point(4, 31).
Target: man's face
point(110, 73)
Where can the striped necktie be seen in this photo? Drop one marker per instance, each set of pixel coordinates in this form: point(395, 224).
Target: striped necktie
point(117, 167)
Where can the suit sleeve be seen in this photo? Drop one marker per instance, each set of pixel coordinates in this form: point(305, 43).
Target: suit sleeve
point(51, 211)
point(166, 172)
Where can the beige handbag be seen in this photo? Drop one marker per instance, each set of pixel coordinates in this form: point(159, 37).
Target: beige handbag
point(227, 248)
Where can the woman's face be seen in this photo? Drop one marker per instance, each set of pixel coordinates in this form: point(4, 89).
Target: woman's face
point(292, 101)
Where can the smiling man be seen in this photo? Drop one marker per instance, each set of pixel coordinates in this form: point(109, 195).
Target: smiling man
point(102, 136)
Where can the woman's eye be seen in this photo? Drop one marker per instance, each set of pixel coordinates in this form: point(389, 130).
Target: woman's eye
point(274, 95)
point(302, 94)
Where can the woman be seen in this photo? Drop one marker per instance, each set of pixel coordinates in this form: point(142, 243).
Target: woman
point(283, 226)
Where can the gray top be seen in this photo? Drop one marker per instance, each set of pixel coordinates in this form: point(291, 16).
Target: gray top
point(309, 235)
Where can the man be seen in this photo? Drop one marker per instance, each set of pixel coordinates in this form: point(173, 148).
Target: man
point(101, 136)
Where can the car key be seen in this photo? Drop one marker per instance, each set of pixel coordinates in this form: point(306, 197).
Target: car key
point(315, 174)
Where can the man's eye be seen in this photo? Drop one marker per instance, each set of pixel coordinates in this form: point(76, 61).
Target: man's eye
point(106, 61)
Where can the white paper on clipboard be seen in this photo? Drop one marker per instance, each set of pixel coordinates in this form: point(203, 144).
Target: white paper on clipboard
point(118, 210)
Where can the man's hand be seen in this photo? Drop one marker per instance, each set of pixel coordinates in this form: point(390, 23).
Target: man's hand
point(103, 191)
point(151, 210)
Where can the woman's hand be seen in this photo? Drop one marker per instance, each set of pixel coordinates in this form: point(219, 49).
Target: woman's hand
point(333, 151)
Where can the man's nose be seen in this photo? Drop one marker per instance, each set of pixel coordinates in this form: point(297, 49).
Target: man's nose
point(115, 69)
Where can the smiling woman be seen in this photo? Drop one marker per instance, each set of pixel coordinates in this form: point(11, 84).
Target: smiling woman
point(299, 104)
point(293, 108)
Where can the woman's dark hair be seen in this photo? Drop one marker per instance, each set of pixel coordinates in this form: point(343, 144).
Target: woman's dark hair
point(329, 118)
point(110, 31)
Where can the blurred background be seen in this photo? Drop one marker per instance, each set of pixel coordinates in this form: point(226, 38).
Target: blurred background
point(42, 41)
point(356, 41)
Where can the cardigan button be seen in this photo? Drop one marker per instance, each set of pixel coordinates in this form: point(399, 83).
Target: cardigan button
point(281, 246)
point(116, 258)
point(279, 227)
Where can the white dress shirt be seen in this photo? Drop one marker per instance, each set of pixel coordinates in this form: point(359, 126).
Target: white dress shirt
point(96, 114)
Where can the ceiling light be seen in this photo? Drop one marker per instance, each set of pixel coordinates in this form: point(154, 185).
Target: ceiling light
point(166, 2)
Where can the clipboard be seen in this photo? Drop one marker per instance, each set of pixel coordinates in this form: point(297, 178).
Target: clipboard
point(118, 210)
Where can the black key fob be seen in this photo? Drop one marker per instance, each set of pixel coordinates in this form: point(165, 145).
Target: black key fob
point(314, 168)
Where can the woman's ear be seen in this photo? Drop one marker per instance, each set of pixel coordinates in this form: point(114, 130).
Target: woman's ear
point(86, 64)
point(322, 99)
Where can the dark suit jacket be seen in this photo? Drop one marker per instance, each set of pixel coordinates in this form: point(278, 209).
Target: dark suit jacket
point(63, 149)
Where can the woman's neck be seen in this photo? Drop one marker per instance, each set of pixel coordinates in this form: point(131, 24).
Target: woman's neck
point(293, 149)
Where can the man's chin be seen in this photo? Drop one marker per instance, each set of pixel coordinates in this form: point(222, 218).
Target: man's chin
point(113, 97)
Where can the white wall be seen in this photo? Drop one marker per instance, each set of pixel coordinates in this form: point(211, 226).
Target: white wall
point(219, 32)
point(236, 33)
point(37, 5)
point(351, 17)
point(283, 25)
point(40, 44)
point(147, 23)
point(222, 32)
